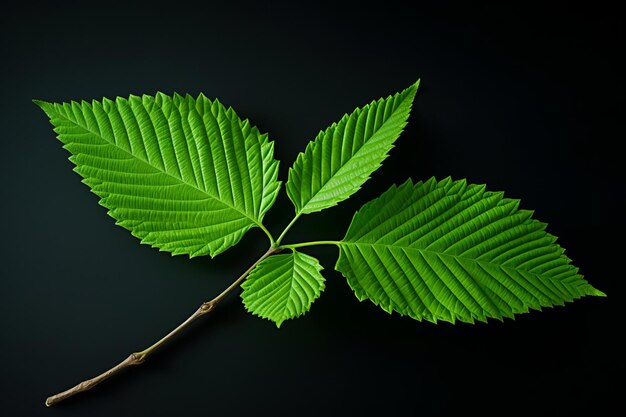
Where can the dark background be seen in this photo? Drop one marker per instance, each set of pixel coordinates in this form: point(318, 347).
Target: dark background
point(528, 100)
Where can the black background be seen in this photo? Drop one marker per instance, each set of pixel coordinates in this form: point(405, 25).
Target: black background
point(526, 99)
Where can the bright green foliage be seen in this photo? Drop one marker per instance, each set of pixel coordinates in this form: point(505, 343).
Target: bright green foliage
point(451, 251)
point(341, 158)
point(185, 175)
point(283, 286)
point(189, 176)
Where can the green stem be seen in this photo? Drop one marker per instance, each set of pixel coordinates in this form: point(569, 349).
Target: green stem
point(137, 358)
point(315, 243)
point(291, 223)
point(273, 243)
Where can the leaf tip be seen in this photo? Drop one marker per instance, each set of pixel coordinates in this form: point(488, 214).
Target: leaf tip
point(595, 292)
point(410, 92)
point(42, 104)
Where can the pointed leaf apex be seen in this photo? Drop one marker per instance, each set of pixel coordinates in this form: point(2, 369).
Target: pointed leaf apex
point(595, 292)
point(42, 104)
point(414, 86)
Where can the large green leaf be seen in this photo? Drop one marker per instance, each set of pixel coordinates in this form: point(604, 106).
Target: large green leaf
point(451, 251)
point(283, 286)
point(341, 158)
point(185, 175)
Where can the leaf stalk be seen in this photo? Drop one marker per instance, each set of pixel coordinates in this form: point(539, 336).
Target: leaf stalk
point(291, 223)
point(273, 243)
point(313, 243)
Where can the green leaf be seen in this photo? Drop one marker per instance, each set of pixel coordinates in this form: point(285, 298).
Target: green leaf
point(185, 175)
point(283, 286)
point(451, 251)
point(341, 159)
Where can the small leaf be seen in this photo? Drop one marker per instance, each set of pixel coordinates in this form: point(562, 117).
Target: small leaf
point(185, 175)
point(451, 251)
point(283, 286)
point(341, 159)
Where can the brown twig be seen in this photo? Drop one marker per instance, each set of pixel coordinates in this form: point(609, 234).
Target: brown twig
point(138, 358)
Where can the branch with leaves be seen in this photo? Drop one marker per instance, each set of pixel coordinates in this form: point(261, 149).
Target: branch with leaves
point(188, 176)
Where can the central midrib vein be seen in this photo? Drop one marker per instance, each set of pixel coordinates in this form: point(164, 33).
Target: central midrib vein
point(444, 254)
